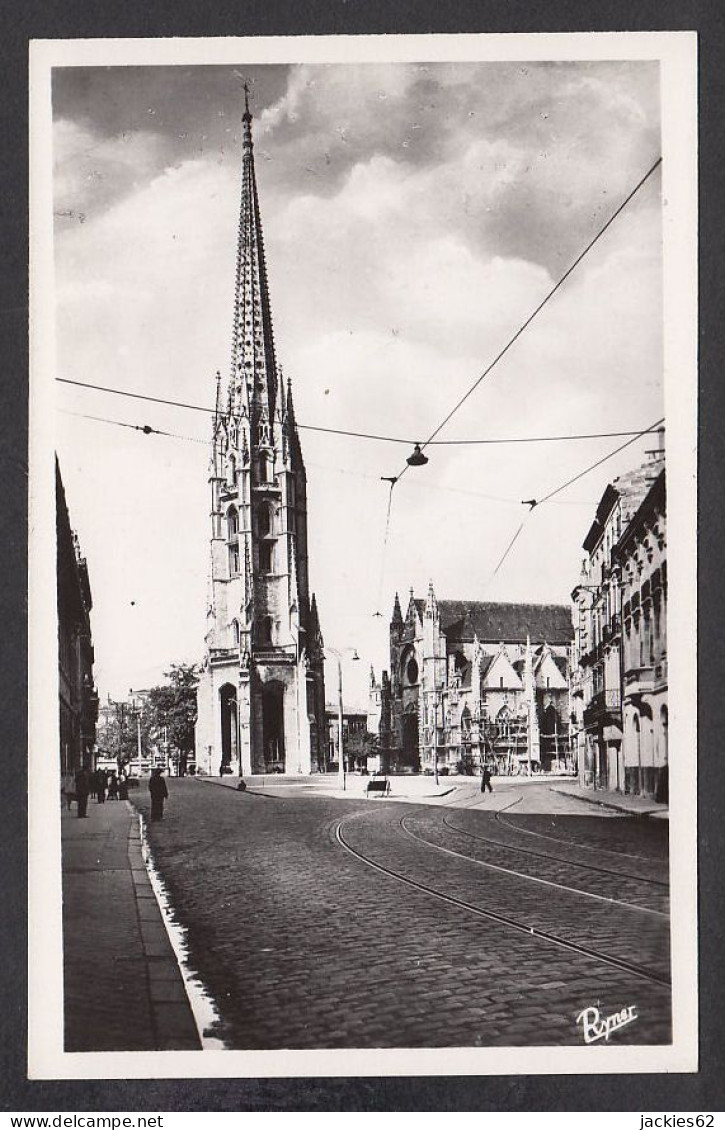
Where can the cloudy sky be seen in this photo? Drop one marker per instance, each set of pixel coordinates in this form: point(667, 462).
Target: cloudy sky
point(414, 216)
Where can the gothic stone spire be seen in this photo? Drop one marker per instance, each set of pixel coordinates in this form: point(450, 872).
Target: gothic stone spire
point(253, 381)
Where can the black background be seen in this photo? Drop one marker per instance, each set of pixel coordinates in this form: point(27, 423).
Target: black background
point(703, 1091)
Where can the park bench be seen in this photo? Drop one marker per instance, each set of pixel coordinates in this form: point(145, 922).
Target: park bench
point(378, 785)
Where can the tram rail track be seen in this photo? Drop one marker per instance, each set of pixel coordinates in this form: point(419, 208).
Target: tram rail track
point(502, 919)
point(533, 878)
point(554, 858)
point(500, 818)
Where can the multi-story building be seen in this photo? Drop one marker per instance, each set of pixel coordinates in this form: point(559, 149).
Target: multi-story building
point(261, 694)
point(474, 682)
point(641, 557)
point(354, 732)
point(622, 586)
point(78, 698)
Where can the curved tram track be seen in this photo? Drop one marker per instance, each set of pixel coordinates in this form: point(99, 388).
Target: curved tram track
point(576, 845)
point(503, 919)
point(554, 858)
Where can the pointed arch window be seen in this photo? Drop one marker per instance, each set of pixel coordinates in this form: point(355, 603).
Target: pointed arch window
point(233, 540)
point(264, 520)
point(231, 471)
point(266, 557)
point(235, 632)
point(264, 631)
point(265, 468)
point(503, 721)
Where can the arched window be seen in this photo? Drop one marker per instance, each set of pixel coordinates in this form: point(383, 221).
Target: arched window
point(549, 720)
point(231, 471)
point(264, 631)
point(665, 725)
point(264, 520)
point(408, 668)
point(265, 468)
point(233, 540)
point(503, 721)
point(266, 557)
point(235, 632)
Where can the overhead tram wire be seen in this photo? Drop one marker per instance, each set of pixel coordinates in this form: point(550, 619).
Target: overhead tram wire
point(393, 480)
point(148, 430)
point(535, 504)
point(385, 549)
point(342, 431)
point(538, 309)
point(145, 428)
point(479, 380)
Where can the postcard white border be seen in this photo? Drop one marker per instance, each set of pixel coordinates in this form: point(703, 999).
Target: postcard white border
point(677, 54)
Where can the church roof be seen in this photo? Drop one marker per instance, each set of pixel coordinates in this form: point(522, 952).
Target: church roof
point(493, 622)
point(467, 672)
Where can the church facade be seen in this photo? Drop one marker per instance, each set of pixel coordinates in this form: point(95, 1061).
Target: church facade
point(261, 696)
point(474, 683)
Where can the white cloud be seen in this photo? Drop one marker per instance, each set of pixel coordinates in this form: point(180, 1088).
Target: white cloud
point(391, 289)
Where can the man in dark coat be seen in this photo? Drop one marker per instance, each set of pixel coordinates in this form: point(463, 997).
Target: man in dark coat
point(101, 781)
point(83, 787)
point(486, 780)
point(159, 793)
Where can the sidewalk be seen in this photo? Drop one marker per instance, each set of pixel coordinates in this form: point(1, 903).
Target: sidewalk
point(622, 802)
point(122, 984)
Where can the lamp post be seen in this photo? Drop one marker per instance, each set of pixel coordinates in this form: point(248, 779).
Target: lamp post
point(340, 751)
point(136, 710)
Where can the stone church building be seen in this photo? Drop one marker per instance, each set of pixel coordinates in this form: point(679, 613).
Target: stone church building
point(261, 696)
point(473, 682)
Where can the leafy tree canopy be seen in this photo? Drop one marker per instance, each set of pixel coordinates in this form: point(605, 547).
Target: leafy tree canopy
point(167, 718)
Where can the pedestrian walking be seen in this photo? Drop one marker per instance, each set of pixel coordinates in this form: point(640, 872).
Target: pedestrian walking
point(68, 789)
point(83, 787)
point(113, 787)
point(123, 787)
point(159, 793)
point(486, 780)
point(101, 781)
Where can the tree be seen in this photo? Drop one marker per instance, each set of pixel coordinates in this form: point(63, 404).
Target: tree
point(116, 735)
point(358, 746)
point(169, 713)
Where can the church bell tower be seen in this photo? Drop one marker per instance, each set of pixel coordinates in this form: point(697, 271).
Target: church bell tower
point(261, 694)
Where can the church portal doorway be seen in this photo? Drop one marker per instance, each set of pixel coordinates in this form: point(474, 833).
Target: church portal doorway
point(230, 729)
point(411, 752)
point(273, 728)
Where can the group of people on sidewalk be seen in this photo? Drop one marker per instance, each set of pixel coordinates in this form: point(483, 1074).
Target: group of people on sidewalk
point(101, 784)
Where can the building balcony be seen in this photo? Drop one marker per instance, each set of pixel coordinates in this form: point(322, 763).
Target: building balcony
point(638, 681)
point(604, 707)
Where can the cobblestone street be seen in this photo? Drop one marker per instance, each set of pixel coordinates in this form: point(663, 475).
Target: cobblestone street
point(320, 922)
